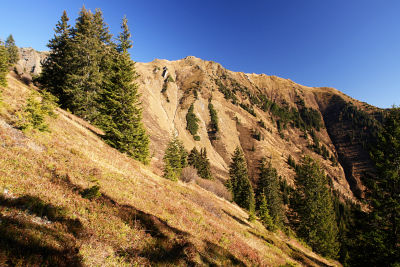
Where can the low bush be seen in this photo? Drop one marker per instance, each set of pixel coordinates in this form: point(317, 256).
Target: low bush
point(215, 187)
point(189, 174)
point(91, 192)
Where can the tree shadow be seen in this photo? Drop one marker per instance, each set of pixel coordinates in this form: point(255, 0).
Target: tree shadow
point(216, 256)
point(28, 242)
point(242, 222)
point(262, 237)
point(304, 258)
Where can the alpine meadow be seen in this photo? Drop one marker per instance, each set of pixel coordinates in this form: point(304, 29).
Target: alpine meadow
point(105, 161)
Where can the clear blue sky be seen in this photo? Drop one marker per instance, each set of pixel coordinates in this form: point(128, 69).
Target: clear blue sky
point(352, 45)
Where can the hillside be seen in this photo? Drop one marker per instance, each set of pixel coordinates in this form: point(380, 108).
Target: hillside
point(236, 96)
point(48, 216)
point(193, 80)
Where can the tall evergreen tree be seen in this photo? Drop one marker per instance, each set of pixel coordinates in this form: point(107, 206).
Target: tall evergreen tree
point(239, 183)
point(268, 188)
point(263, 213)
point(192, 121)
point(194, 157)
point(314, 206)
point(204, 168)
point(120, 107)
point(86, 57)
point(3, 64)
point(12, 50)
point(200, 162)
point(380, 241)
point(56, 66)
point(175, 159)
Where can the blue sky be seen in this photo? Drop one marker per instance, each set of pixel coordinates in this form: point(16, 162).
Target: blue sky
point(352, 45)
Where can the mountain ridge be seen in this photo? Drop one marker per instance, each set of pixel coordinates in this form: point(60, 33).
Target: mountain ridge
point(163, 118)
point(136, 217)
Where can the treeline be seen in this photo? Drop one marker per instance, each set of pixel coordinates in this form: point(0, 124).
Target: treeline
point(302, 117)
point(94, 77)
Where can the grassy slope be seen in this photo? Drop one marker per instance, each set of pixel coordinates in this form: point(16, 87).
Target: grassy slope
point(139, 219)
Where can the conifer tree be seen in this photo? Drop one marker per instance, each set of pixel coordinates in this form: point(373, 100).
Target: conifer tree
point(120, 107)
point(213, 116)
point(86, 58)
point(192, 121)
point(200, 162)
point(3, 64)
point(204, 168)
point(268, 188)
point(56, 66)
point(194, 157)
point(380, 241)
point(175, 159)
point(12, 50)
point(314, 206)
point(239, 183)
point(263, 214)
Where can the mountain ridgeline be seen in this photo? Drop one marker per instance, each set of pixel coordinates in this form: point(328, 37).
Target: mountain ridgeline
point(297, 158)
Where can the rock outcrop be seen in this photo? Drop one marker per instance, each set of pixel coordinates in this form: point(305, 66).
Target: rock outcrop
point(30, 62)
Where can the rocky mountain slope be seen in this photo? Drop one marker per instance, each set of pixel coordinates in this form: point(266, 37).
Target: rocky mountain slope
point(247, 118)
point(68, 199)
point(168, 88)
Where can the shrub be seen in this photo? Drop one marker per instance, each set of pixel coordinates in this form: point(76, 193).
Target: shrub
point(262, 124)
point(189, 174)
point(196, 138)
point(170, 79)
point(216, 187)
point(291, 162)
point(91, 192)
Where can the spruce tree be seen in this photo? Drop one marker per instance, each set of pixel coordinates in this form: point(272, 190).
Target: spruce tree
point(120, 109)
point(192, 121)
point(204, 168)
point(314, 206)
point(12, 50)
point(239, 183)
point(380, 240)
point(56, 66)
point(3, 64)
point(175, 159)
point(213, 117)
point(263, 214)
point(200, 162)
point(194, 157)
point(268, 188)
point(86, 58)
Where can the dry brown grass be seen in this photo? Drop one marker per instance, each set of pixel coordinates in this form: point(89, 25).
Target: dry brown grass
point(216, 187)
point(139, 219)
point(189, 174)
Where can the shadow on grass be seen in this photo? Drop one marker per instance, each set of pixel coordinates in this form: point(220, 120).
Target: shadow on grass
point(218, 256)
point(304, 258)
point(262, 237)
point(242, 222)
point(167, 245)
point(26, 242)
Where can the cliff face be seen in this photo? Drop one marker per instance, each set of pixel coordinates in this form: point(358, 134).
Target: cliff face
point(168, 88)
point(30, 62)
